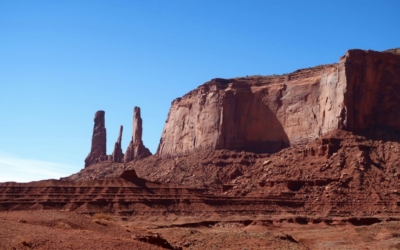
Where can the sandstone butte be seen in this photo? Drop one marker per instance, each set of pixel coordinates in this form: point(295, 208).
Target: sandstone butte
point(267, 113)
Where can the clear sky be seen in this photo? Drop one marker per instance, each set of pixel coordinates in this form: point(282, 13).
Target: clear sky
point(61, 61)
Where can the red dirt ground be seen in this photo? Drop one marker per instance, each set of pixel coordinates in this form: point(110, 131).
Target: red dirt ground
point(44, 229)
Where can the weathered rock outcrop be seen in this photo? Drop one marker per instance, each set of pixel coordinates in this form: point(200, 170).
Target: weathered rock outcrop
point(117, 155)
point(136, 149)
point(338, 174)
point(372, 92)
point(98, 150)
point(266, 114)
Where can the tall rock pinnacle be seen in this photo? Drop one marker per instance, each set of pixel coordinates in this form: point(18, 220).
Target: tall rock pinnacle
point(99, 139)
point(137, 126)
point(136, 149)
point(117, 155)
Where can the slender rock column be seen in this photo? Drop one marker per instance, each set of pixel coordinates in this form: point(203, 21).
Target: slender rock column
point(117, 155)
point(98, 150)
point(136, 149)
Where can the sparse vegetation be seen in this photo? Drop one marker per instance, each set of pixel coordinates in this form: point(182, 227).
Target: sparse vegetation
point(63, 225)
point(394, 50)
point(102, 219)
point(101, 222)
point(102, 216)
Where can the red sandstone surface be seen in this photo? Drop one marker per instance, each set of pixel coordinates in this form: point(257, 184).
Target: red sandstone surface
point(99, 143)
point(265, 114)
point(339, 174)
point(117, 155)
point(136, 148)
point(307, 160)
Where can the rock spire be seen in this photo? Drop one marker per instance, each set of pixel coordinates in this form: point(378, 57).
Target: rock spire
point(136, 149)
point(99, 140)
point(117, 155)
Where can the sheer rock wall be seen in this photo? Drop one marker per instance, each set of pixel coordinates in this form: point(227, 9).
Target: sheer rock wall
point(266, 114)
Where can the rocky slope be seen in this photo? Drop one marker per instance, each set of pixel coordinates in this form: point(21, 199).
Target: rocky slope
point(266, 114)
point(339, 174)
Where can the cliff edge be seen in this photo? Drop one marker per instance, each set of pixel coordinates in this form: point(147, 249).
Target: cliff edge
point(268, 113)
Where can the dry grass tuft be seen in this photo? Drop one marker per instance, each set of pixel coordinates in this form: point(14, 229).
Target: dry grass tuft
point(102, 219)
point(102, 216)
point(101, 222)
point(63, 225)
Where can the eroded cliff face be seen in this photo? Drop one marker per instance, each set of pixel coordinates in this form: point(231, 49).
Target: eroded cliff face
point(258, 114)
point(266, 114)
point(373, 88)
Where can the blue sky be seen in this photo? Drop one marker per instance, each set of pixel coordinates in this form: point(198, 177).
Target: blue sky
point(61, 61)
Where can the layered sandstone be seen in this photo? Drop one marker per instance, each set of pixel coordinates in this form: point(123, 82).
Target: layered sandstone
point(136, 148)
point(266, 114)
point(339, 174)
point(98, 150)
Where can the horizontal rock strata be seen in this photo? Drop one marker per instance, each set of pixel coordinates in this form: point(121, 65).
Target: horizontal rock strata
point(128, 194)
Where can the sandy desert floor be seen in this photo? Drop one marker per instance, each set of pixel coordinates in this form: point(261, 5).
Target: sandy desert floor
point(49, 229)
